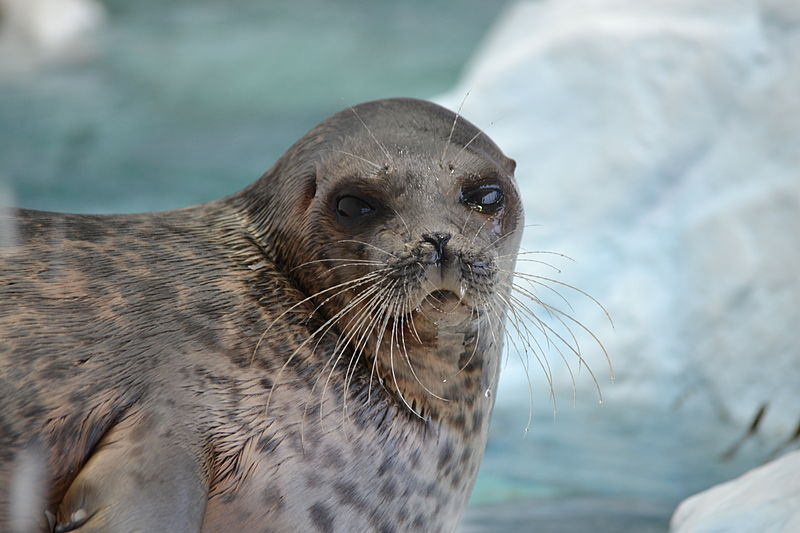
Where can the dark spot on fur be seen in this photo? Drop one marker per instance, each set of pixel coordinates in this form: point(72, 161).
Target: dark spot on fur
point(33, 411)
point(85, 228)
point(388, 489)
point(321, 517)
point(386, 465)
point(313, 480)
point(349, 494)
point(430, 489)
point(142, 429)
point(415, 457)
point(477, 419)
point(466, 453)
point(57, 370)
point(459, 422)
point(445, 455)
point(273, 498)
point(268, 444)
point(333, 458)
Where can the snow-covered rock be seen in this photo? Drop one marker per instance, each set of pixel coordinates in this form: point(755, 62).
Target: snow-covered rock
point(35, 30)
point(658, 144)
point(765, 499)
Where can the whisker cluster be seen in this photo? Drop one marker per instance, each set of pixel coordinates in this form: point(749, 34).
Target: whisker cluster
point(377, 317)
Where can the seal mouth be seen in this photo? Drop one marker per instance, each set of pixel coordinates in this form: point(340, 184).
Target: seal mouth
point(442, 295)
point(444, 301)
point(442, 308)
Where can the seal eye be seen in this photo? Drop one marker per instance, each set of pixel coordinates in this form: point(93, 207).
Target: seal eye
point(352, 207)
point(483, 198)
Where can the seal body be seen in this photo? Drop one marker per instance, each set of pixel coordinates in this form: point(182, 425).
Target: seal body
point(315, 353)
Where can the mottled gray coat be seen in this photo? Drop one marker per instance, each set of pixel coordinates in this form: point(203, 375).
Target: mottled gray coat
point(198, 369)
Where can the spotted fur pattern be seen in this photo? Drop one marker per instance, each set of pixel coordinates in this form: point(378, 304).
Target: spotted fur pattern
point(159, 364)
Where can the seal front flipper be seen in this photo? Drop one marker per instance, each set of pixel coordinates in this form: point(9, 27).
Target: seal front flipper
point(139, 478)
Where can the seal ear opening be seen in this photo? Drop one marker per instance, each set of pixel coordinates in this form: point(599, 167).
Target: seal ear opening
point(309, 188)
point(510, 165)
point(309, 191)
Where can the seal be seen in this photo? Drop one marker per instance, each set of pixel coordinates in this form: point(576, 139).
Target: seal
point(314, 353)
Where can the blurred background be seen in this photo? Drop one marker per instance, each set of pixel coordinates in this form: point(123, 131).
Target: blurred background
point(657, 147)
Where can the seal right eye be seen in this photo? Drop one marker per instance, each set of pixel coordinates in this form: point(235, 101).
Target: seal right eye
point(352, 207)
point(487, 199)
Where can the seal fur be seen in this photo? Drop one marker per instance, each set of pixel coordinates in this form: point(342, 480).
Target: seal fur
point(283, 359)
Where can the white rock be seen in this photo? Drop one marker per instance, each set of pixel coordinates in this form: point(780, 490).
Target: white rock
point(764, 500)
point(34, 30)
point(657, 144)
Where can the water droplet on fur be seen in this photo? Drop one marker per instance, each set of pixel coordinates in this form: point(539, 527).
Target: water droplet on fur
point(462, 290)
point(418, 309)
point(444, 381)
point(488, 393)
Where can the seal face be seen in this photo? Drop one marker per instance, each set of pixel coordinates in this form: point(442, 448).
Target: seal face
point(317, 352)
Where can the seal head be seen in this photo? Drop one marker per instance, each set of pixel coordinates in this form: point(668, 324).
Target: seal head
point(401, 222)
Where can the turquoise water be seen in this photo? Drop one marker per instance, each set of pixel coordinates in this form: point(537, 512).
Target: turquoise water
point(186, 101)
point(189, 100)
point(602, 468)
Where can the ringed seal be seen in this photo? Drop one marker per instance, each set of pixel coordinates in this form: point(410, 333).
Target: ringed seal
point(314, 353)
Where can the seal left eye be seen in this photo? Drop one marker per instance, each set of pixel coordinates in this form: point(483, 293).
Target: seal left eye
point(351, 207)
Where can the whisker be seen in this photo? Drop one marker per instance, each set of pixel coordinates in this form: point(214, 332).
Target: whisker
point(345, 340)
point(534, 282)
point(378, 346)
point(453, 128)
point(345, 286)
point(587, 330)
point(336, 354)
point(291, 357)
point(567, 285)
point(529, 252)
point(472, 241)
point(383, 149)
point(475, 347)
point(565, 343)
point(411, 366)
point(527, 374)
point(398, 215)
point(368, 244)
point(349, 262)
point(528, 339)
point(374, 164)
point(378, 301)
point(391, 364)
point(467, 145)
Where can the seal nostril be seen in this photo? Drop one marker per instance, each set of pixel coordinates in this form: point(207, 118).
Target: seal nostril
point(438, 239)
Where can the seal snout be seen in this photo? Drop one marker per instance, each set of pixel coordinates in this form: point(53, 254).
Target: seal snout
point(438, 239)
